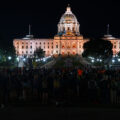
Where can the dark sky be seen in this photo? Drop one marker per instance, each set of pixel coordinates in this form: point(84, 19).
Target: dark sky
point(93, 16)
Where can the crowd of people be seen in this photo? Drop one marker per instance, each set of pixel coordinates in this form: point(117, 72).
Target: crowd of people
point(60, 86)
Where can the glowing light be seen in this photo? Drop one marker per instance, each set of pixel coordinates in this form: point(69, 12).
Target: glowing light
point(113, 55)
point(100, 60)
point(17, 59)
point(91, 57)
point(92, 61)
point(118, 59)
point(113, 61)
point(24, 59)
point(44, 59)
point(9, 58)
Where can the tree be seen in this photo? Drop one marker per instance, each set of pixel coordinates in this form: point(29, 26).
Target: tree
point(11, 52)
point(118, 54)
point(39, 53)
point(98, 48)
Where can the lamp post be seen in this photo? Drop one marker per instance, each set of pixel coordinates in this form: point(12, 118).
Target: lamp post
point(9, 58)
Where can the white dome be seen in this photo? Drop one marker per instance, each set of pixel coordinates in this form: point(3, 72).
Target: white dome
point(69, 22)
point(109, 37)
point(68, 17)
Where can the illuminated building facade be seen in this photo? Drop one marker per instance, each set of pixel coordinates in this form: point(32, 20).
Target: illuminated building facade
point(67, 41)
point(113, 40)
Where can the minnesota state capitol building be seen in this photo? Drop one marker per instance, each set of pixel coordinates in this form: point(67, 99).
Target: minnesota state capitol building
point(67, 41)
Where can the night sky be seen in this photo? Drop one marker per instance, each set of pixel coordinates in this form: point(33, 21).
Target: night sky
point(93, 16)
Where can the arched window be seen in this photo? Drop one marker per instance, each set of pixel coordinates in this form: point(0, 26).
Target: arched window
point(56, 46)
point(73, 29)
point(73, 53)
point(114, 46)
point(74, 46)
point(68, 28)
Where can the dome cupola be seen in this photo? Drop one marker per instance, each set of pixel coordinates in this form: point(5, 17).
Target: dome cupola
point(68, 22)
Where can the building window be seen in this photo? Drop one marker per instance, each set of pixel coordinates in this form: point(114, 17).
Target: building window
point(26, 42)
point(31, 47)
point(26, 47)
point(48, 46)
point(56, 46)
point(22, 42)
point(31, 52)
point(73, 29)
point(40, 43)
point(52, 46)
point(74, 46)
point(17, 46)
point(22, 52)
point(73, 53)
point(26, 52)
point(52, 42)
point(114, 46)
point(68, 46)
point(22, 47)
point(44, 46)
point(57, 52)
point(44, 42)
point(17, 42)
point(48, 42)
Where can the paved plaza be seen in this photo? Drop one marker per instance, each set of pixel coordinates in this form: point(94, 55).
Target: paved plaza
point(58, 113)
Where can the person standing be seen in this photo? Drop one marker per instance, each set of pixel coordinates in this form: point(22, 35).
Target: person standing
point(44, 91)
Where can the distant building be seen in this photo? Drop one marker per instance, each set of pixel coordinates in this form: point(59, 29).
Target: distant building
point(114, 41)
point(67, 41)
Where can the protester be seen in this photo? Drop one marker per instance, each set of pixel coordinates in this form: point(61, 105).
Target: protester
point(68, 84)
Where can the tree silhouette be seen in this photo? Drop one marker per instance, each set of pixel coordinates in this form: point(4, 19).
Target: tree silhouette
point(39, 53)
point(98, 48)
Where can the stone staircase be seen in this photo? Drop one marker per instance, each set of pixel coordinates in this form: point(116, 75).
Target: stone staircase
point(49, 64)
point(83, 61)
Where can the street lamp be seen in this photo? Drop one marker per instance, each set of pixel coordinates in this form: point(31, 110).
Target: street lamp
point(17, 59)
point(92, 61)
point(24, 59)
point(100, 60)
point(9, 58)
point(113, 61)
point(118, 59)
point(44, 59)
